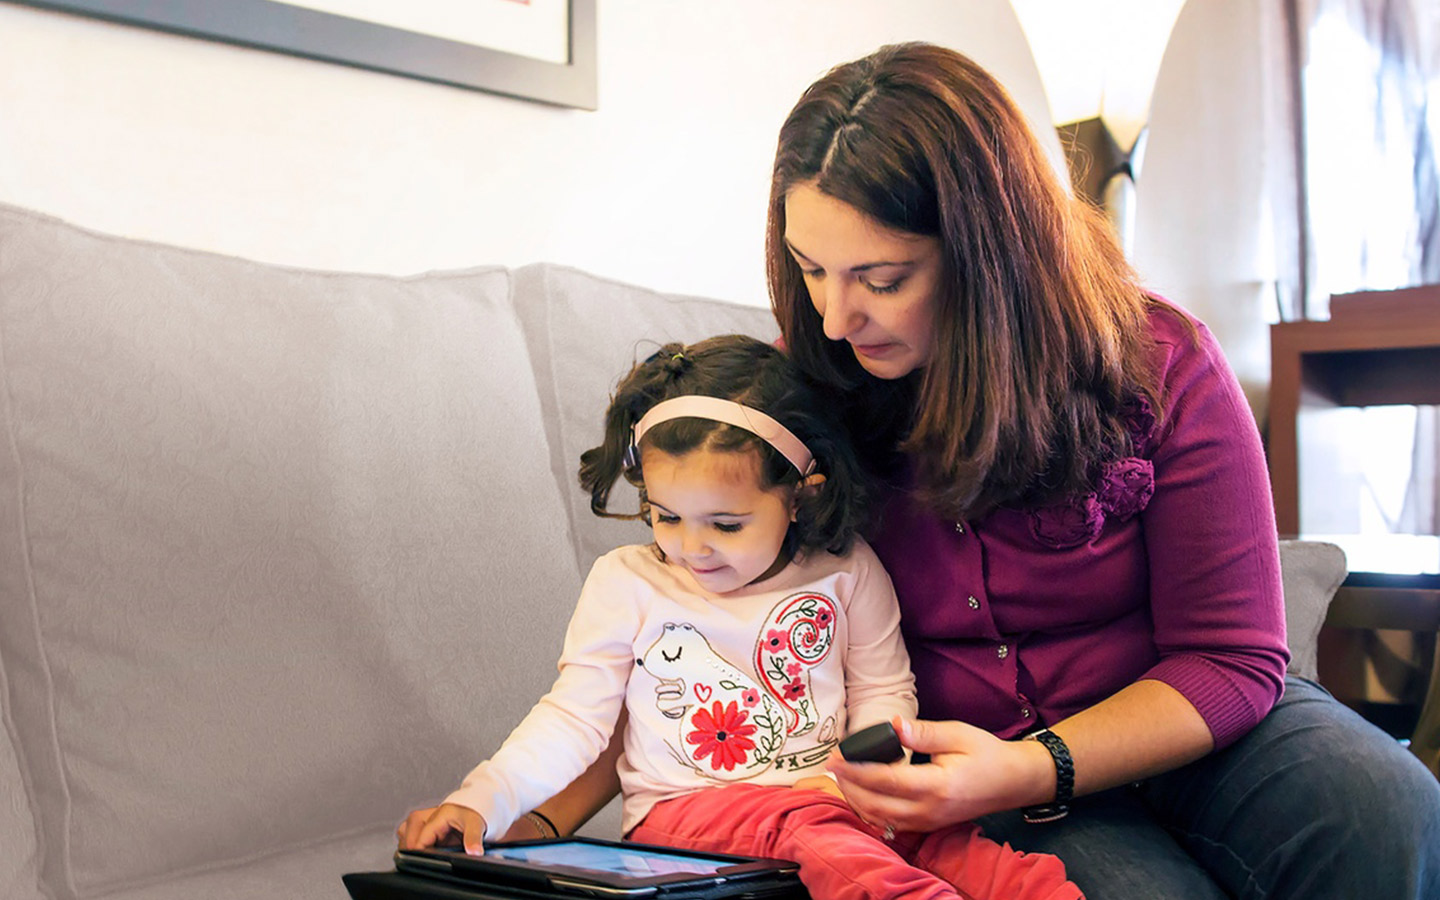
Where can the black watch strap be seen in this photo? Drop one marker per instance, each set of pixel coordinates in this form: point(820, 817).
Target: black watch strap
point(1064, 780)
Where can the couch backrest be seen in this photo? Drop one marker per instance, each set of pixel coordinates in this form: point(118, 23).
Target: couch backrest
point(281, 554)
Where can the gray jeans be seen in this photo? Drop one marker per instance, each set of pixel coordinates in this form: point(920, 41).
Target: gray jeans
point(1314, 803)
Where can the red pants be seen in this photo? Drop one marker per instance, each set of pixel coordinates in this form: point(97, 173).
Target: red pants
point(842, 858)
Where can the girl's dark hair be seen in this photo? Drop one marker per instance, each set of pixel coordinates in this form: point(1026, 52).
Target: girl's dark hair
point(756, 374)
point(1039, 343)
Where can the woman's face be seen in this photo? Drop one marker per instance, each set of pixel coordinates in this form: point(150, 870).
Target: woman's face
point(874, 287)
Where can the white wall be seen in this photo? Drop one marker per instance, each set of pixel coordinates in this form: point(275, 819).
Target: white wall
point(313, 164)
point(1202, 232)
point(288, 160)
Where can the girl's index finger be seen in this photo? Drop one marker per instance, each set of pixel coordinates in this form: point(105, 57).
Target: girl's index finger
point(474, 837)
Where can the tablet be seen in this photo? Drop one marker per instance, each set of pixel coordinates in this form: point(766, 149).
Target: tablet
point(594, 868)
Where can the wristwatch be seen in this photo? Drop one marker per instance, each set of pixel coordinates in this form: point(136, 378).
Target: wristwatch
point(1058, 808)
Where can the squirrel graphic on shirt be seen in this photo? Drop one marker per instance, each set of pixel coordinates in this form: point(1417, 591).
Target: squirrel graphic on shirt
point(731, 724)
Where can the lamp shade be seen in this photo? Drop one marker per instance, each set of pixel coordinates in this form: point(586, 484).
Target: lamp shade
point(1099, 58)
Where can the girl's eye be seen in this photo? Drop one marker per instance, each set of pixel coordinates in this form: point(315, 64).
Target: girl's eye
point(890, 288)
point(666, 520)
point(811, 273)
point(728, 527)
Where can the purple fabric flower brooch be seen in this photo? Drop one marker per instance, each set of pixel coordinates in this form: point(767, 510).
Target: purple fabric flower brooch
point(1123, 489)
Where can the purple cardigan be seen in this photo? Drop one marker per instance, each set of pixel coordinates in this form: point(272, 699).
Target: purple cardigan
point(1168, 571)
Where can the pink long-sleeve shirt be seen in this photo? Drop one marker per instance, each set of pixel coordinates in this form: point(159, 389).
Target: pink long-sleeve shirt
point(1168, 571)
point(757, 685)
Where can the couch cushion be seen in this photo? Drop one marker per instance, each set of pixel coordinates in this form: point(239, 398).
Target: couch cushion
point(1312, 571)
point(577, 325)
point(281, 554)
point(308, 871)
point(19, 854)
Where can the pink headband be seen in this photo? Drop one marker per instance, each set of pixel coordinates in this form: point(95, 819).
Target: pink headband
point(731, 413)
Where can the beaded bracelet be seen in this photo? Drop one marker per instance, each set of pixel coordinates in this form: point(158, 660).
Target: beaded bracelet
point(542, 824)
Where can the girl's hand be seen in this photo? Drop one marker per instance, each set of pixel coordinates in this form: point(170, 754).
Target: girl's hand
point(443, 825)
point(971, 772)
point(818, 783)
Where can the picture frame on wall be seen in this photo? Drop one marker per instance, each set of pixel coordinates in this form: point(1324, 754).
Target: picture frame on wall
point(542, 50)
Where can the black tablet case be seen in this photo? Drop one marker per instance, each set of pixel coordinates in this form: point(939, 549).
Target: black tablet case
point(394, 885)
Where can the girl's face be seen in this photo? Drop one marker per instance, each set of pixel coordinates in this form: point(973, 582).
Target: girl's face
point(873, 286)
point(712, 517)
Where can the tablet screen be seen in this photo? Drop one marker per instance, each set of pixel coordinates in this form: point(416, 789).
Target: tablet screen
point(565, 866)
point(631, 862)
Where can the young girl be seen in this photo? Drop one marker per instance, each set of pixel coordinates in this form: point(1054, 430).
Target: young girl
point(751, 635)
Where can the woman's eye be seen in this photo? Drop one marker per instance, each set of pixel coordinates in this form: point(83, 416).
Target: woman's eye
point(728, 527)
point(666, 520)
point(811, 273)
point(889, 288)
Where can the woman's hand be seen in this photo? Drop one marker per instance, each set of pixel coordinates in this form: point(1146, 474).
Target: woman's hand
point(443, 825)
point(971, 773)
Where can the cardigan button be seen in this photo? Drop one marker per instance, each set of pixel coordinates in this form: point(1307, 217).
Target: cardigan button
point(1004, 651)
point(959, 527)
point(974, 604)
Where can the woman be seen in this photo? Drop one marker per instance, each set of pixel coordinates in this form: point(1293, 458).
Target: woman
point(1079, 524)
point(1080, 529)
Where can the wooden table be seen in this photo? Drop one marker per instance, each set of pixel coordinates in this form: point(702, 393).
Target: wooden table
point(1378, 347)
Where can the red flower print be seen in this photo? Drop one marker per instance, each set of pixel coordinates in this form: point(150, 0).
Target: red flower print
point(823, 617)
point(751, 697)
point(793, 690)
point(792, 670)
point(777, 641)
point(722, 735)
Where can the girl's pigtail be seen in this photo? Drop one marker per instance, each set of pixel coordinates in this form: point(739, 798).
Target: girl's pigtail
point(642, 388)
point(831, 514)
point(602, 466)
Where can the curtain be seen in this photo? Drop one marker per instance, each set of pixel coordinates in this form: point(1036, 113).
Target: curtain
point(1368, 71)
point(1370, 213)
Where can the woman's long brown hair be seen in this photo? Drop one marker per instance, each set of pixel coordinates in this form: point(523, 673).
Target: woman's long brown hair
point(1040, 324)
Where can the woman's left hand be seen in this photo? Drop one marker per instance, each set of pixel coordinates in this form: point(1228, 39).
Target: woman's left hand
point(971, 773)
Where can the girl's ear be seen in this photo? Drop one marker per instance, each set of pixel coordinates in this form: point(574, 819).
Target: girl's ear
point(808, 487)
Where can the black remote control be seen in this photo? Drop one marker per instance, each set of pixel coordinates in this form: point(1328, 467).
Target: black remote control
point(878, 743)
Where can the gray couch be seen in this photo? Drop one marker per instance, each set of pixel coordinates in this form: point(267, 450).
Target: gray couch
point(284, 552)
